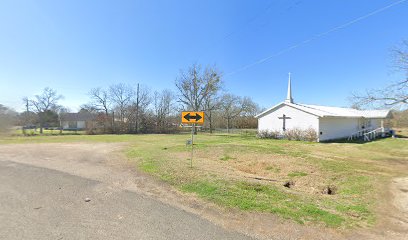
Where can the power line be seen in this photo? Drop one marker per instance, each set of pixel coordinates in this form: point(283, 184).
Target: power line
point(317, 36)
point(251, 20)
point(239, 28)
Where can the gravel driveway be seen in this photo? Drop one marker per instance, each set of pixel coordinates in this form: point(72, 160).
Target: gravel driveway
point(43, 188)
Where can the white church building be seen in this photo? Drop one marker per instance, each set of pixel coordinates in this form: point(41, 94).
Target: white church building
point(328, 122)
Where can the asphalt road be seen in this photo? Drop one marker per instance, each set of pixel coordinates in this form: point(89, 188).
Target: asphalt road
point(41, 203)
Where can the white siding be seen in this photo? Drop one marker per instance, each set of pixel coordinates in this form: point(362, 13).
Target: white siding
point(299, 119)
point(71, 124)
point(335, 128)
point(376, 122)
point(81, 124)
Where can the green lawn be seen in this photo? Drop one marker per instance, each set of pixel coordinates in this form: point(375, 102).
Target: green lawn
point(357, 172)
point(243, 172)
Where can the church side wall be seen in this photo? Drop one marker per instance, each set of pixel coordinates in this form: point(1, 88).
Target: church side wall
point(298, 119)
point(376, 122)
point(336, 128)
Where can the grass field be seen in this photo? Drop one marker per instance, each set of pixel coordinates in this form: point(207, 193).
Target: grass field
point(243, 172)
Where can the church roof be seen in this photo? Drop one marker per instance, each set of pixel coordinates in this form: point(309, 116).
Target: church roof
point(325, 111)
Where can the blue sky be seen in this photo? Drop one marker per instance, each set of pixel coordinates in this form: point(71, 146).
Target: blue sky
point(73, 46)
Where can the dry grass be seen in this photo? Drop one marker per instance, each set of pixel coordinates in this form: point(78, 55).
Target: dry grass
point(402, 132)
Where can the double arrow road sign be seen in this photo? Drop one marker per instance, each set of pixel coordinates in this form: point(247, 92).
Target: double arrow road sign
point(192, 117)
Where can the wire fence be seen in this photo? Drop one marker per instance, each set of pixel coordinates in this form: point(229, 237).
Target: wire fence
point(242, 131)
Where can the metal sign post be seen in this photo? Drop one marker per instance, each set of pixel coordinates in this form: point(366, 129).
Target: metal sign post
point(192, 145)
point(192, 118)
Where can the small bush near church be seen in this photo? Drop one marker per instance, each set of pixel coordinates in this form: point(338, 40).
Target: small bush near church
point(310, 135)
point(269, 134)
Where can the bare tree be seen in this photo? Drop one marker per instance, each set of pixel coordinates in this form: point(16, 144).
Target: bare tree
point(123, 102)
point(400, 119)
point(195, 85)
point(232, 106)
point(250, 108)
point(121, 96)
point(100, 102)
point(163, 104)
point(395, 93)
point(247, 117)
point(211, 104)
point(45, 103)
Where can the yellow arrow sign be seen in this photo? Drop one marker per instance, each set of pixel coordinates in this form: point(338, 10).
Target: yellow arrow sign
point(192, 117)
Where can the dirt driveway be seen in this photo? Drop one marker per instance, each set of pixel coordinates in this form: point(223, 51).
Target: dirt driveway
point(104, 163)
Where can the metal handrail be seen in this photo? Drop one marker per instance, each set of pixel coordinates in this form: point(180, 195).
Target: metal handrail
point(373, 134)
point(359, 133)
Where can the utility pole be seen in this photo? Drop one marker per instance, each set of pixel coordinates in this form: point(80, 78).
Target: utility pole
point(27, 105)
point(113, 121)
point(137, 110)
point(60, 122)
point(26, 116)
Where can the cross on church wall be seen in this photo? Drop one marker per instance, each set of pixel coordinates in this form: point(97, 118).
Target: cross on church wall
point(284, 121)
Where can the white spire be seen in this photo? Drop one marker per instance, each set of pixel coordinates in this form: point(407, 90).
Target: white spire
point(289, 98)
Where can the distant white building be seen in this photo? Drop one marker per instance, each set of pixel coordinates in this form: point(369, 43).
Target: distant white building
point(328, 122)
point(77, 121)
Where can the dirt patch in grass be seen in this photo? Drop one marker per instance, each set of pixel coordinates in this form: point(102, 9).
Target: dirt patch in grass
point(249, 167)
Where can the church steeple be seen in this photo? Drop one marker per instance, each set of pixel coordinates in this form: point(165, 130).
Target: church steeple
point(289, 98)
